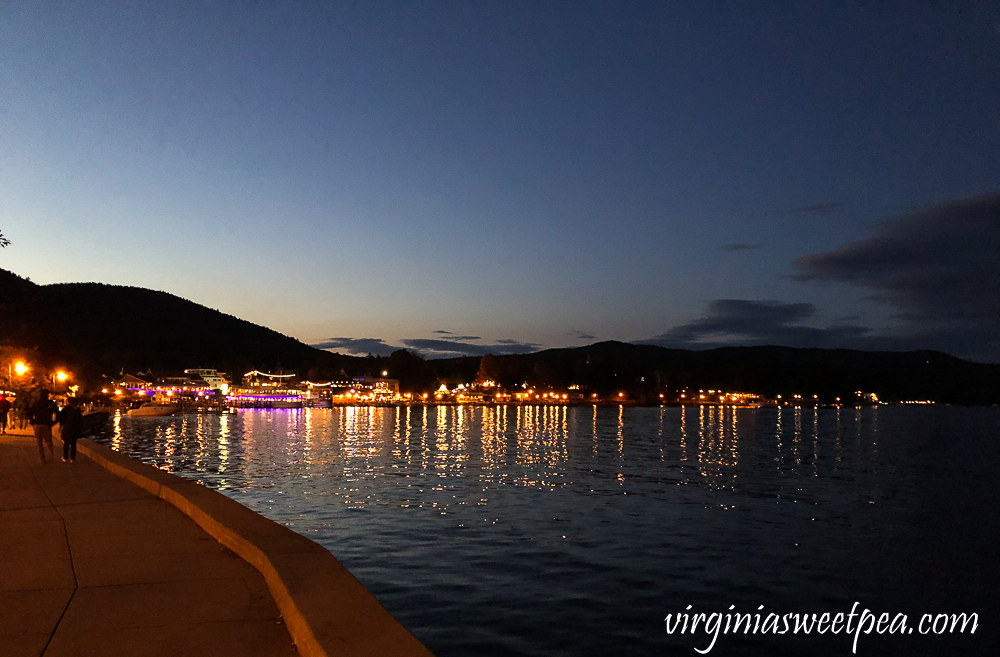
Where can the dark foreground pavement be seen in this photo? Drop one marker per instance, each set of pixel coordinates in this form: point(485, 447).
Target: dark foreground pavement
point(91, 564)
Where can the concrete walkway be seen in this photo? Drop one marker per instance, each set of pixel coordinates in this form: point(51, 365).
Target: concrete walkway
point(91, 564)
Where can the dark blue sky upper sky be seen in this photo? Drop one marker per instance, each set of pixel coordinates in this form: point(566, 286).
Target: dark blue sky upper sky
point(507, 173)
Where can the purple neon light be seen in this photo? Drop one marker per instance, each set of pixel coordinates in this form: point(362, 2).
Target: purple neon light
point(275, 397)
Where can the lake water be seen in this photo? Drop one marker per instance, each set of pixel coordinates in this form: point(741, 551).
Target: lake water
point(575, 531)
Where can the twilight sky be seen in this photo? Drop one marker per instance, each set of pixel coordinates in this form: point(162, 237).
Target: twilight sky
point(466, 177)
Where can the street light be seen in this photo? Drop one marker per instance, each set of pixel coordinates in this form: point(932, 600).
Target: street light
point(61, 376)
point(16, 368)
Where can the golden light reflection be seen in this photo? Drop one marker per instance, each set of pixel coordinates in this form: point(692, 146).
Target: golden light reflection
point(595, 431)
point(203, 433)
point(704, 436)
point(116, 430)
point(778, 431)
point(684, 434)
point(424, 449)
point(169, 440)
point(441, 438)
point(815, 437)
point(621, 433)
point(718, 447)
point(492, 442)
point(797, 435)
point(223, 443)
point(837, 442)
point(533, 445)
point(308, 436)
point(408, 420)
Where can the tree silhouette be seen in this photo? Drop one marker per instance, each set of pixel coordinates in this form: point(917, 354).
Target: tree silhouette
point(3, 240)
point(489, 369)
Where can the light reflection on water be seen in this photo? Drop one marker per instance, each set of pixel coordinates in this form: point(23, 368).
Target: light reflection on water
point(573, 531)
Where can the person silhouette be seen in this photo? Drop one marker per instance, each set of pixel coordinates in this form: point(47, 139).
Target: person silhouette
point(5, 407)
point(42, 415)
point(70, 428)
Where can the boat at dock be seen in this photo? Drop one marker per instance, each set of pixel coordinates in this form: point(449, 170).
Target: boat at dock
point(150, 409)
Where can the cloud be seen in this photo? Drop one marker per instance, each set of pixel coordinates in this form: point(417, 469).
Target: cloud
point(451, 348)
point(740, 247)
point(456, 337)
point(580, 335)
point(937, 267)
point(736, 322)
point(831, 207)
point(360, 346)
point(428, 347)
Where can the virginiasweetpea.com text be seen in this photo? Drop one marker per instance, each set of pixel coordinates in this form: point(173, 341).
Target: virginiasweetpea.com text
point(715, 624)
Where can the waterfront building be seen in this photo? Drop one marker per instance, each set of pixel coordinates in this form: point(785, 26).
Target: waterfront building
point(132, 383)
point(377, 390)
point(213, 378)
point(265, 390)
point(380, 389)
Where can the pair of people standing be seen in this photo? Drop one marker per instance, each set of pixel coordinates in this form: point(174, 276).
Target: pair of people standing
point(44, 413)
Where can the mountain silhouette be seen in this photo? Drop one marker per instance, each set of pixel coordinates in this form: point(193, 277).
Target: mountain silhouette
point(111, 328)
point(107, 329)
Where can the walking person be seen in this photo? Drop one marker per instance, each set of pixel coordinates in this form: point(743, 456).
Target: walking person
point(70, 428)
point(42, 415)
point(4, 410)
point(20, 411)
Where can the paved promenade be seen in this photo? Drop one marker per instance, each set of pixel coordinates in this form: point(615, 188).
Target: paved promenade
point(91, 564)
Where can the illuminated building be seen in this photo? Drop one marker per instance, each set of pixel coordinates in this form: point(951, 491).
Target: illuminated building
point(264, 390)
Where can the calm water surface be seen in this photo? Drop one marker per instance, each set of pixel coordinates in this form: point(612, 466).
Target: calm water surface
point(575, 531)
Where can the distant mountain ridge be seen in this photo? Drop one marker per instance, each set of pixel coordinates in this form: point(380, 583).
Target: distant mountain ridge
point(643, 371)
point(109, 328)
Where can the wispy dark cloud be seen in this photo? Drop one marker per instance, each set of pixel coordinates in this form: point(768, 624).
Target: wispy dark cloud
point(428, 347)
point(831, 207)
point(938, 267)
point(450, 348)
point(737, 322)
point(581, 335)
point(740, 247)
point(358, 346)
point(456, 337)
